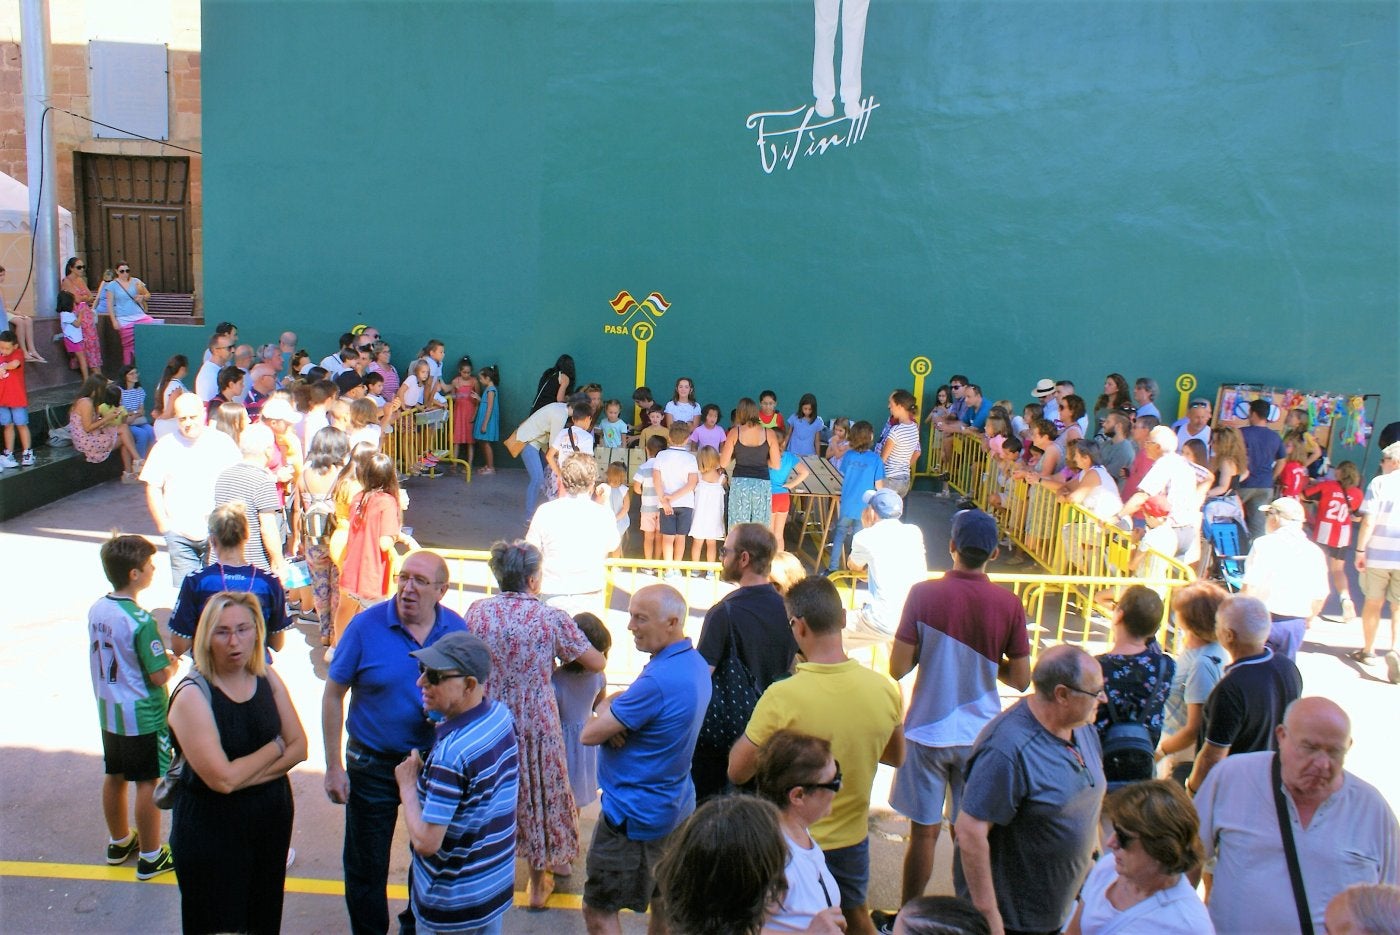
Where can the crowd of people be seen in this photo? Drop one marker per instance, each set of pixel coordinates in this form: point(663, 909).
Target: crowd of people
point(1092, 804)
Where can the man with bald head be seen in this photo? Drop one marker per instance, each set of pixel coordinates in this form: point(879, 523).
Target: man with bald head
point(179, 475)
point(386, 722)
point(647, 734)
point(1029, 824)
point(1343, 830)
point(1248, 702)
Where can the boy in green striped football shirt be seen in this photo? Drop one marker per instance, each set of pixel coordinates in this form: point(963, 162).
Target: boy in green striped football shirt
point(130, 668)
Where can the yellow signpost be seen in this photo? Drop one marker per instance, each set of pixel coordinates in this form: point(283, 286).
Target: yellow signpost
point(638, 320)
point(920, 367)
point(1184, 385)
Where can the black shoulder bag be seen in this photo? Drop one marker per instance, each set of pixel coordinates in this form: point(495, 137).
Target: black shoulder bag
point(734, 693)
point(1290, 850)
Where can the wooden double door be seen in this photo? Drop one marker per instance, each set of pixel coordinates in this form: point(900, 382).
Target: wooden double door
point(136, 211)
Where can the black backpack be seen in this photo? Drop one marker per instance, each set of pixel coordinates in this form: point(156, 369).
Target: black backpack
point(1127, 744)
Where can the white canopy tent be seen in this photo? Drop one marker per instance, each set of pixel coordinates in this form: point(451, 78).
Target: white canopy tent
point(16, 224)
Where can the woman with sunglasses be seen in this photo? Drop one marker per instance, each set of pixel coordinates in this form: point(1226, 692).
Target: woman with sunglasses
point(797, 773)
point(123, 301)
point(74, 282)
point(1140, 884)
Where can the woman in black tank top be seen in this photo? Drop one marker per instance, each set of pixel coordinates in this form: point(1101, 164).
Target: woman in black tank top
point(753, 450)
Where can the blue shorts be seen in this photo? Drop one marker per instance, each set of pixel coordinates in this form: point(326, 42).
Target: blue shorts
point(14, 415)
point(677, 522)
point(851, 868)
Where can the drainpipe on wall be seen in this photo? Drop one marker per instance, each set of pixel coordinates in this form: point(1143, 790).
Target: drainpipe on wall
point(39, 154)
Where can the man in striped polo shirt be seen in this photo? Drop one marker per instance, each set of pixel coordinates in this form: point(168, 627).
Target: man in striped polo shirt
point(459, 803)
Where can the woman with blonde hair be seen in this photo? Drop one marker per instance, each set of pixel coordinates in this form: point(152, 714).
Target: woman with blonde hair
point(240, 735)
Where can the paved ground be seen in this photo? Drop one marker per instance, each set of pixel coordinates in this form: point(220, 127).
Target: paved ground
point(52, 879)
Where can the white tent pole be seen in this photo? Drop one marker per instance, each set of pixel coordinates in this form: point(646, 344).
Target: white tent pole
point(39, 153)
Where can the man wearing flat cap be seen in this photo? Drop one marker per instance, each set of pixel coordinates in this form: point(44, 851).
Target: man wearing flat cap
point(459, 798)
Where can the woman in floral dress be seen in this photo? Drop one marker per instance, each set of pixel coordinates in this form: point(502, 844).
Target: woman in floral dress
point(525, 637)
point(75, 283)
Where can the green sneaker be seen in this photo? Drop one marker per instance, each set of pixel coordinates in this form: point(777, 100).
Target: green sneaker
point(164, 863)
point(121, 853)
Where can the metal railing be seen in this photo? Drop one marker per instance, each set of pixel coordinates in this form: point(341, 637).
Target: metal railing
point(415, 434)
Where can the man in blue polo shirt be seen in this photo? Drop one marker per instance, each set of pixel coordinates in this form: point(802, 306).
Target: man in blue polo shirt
point(373, 663)
point(648, 735)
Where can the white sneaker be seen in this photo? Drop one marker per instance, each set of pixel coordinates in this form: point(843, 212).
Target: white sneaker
point(27, 459)
point(825, 108)
point(8, 460)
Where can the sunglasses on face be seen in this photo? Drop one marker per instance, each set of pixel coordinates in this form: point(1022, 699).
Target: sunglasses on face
point(834, 785)
point(437, 676)
point(124, 269)
point(1125, 840)
point(79, 266)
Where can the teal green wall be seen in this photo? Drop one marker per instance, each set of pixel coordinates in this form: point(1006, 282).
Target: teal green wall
point(1046, 189)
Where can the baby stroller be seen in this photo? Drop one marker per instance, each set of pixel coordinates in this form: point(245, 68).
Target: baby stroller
point(1227, 537)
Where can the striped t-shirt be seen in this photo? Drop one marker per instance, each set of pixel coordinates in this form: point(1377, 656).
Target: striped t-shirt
point(124, 646)
point(1382, 507)
point(906, 446)
point(469, 783)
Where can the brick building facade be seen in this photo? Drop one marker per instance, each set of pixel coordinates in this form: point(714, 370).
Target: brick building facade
point(132, 199)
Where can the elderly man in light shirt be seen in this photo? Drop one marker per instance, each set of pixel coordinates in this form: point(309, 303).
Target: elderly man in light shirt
point(1288, 572)
point(575, 535)
point(1343, 830)
point(1171, 476)
point(892, 553)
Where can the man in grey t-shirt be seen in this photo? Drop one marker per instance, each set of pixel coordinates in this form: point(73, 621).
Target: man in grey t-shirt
point(1030, 810)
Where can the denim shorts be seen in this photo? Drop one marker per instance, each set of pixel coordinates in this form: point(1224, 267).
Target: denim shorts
point(851, 868)
point(14, 415)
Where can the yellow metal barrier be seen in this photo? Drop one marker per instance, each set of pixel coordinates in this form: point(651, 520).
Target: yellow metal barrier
point(1063, 538)
point(417, 433)
point(1052, 602)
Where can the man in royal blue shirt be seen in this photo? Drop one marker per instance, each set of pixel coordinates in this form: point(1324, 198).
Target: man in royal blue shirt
point(647, 789)
point(386, 722)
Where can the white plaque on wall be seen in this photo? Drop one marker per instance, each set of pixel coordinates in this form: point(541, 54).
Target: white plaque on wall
point(130, 90)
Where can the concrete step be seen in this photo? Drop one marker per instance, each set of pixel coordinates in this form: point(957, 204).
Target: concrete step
point(58, 473)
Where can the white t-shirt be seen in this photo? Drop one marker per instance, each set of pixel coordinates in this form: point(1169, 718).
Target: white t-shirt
point(333, 365)
point(185, 471)
point(684, 412)
point(370, 433)
point(811, 888)
point(1287, 572)
point(893, 554)
point(1172, 475)
point(1173, 911)
point(574, 535)
point(571, 440)
point(206, 381)
point(671, 471)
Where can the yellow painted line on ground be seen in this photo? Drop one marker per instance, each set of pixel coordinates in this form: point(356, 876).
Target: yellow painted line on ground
point(304, 885)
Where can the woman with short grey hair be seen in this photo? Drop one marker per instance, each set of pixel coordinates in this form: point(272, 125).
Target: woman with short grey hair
point(575, 535)
point(526, 637)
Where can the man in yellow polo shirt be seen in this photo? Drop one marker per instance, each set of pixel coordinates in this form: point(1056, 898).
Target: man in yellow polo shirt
point(839, 700)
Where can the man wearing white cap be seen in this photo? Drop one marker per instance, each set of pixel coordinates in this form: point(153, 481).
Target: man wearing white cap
point(892, 553)
point(1288, 572)
point(1378, 558)
point(1171, 476)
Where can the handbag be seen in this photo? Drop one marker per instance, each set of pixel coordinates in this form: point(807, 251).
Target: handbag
point(60, 436)
point(169, 786)
point(1290, 850)
point(734, 693)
